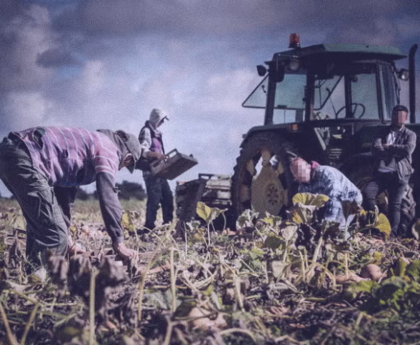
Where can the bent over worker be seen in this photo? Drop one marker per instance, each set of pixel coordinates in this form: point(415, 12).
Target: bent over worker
point(157, 188)
point(42, 168)
point(323, 179)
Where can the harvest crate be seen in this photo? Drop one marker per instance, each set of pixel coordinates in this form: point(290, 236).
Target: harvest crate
point(175, 165)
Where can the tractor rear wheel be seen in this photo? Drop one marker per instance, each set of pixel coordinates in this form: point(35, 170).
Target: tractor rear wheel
point(262, 179)
point(360, 173)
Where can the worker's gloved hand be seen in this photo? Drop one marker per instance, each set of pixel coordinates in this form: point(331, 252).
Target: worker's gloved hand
point(123, 251)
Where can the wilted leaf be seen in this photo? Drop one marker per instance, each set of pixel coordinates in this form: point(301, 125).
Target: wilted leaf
point(290, 233)
point(271, 220)
point(308, 199)
point(297, 216)
point(246, 218)
point(127, 222)
point(73, 229)
point(362, 286)
point(66, 334)
point(185, 308)
point(273, 242)
point(278, 267)
point(389, 288)
point(349, 208)
point(399, 268)
point(333, 230)
point(382, 224)
point(159, 298)
point(208, 214)
point(377, 258)
point(302, 213)
point(413, 269)
point(18, 221)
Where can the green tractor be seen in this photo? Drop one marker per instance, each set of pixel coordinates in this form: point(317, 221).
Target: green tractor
point(324, 103)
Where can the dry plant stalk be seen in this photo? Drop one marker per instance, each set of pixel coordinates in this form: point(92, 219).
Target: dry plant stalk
point(28, 325)
point(153, 259)
point(10, 336)
point(173, 287)
point(92, 308)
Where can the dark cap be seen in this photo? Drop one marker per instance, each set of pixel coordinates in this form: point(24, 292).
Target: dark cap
point(133, 146)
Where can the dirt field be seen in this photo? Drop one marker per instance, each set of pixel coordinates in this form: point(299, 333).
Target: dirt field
point(274, 281)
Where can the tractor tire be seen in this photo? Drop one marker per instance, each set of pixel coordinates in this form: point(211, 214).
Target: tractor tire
point(262, 179)
point(360, 172)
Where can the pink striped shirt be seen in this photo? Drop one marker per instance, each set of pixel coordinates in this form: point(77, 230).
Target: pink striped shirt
point(70, 156)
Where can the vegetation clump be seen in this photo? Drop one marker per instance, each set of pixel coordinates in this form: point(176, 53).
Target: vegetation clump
point(296, 279)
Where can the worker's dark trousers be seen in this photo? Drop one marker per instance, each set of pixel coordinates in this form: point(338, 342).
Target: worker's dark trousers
point(158, 192)
point(47, 226)
point(395, 187)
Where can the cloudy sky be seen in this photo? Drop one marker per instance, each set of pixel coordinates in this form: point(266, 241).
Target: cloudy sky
point(107, 63)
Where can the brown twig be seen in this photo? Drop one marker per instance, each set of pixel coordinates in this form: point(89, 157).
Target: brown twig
point(28, 325)
point(10, 336)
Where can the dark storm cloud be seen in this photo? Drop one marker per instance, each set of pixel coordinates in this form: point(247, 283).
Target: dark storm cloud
point(56, 58)
point(248, 26)
point(215, 18)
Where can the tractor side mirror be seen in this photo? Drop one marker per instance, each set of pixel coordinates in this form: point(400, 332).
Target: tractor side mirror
point(277, 71)
point(261, 70)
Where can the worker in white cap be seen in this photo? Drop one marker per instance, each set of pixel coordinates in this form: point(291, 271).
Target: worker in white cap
point(157, 188)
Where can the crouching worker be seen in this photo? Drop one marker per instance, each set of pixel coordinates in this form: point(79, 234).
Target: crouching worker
point(42, 168)
point(322, 179)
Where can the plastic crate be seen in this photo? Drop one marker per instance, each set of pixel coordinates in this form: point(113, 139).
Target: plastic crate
point(175, 165)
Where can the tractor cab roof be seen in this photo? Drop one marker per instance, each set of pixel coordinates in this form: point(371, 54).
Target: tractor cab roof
point(342, 52)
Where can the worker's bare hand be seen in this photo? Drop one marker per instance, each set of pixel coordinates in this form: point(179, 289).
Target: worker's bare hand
point(386, 146)
point(123, 251)
point(161, 156)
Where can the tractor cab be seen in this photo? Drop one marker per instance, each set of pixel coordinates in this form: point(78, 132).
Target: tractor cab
point(329, 82)
point(331, 91)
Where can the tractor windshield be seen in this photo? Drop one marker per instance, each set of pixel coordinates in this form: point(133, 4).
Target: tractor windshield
point(359, 90)
point(289, 98)
point(356, 86)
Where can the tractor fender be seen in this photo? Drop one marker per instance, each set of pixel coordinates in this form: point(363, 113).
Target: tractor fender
point(361, 159)
point(279, 130)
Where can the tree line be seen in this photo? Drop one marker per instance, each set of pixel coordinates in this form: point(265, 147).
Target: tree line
point(126, 190)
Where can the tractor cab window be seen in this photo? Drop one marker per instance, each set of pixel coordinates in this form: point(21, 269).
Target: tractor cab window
point(353, 85)
point(289, 103)
point(389, 87)
point(329, 97)
point(258, 97)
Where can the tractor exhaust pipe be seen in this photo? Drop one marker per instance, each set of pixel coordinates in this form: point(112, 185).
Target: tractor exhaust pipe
point(412, 82)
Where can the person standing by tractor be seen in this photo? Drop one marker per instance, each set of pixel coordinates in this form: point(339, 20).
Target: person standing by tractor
point(392, 150)
point(157, 188)
point(42, 168)
point(323, 179)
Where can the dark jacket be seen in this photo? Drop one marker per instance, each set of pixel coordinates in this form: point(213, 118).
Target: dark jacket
point(150, 141)
point(401, 151)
